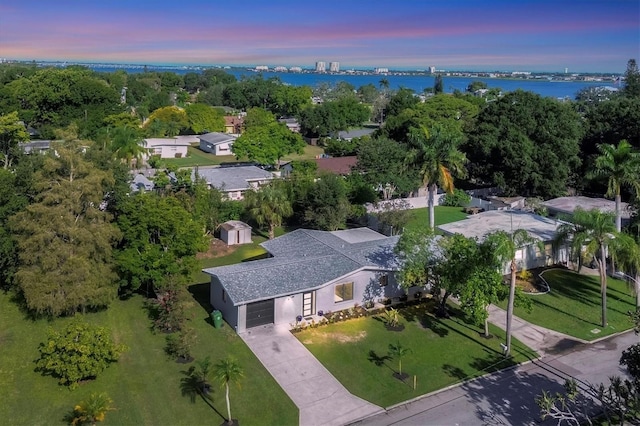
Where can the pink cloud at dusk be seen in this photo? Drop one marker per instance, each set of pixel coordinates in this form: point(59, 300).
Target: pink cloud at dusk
point(359, 33)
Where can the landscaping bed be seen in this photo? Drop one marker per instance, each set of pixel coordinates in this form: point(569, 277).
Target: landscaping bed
point(441, 352)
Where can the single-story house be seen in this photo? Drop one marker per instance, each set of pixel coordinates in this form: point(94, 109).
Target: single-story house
point(217, 143)
point(538, 227)
point(309, 272)
point(337, 165)
point(566, 206)
point(37, 147)
point(233, 124)
point(141, 183)
point(234, 232)
point(291, 123)
point(233, 181)
point(176, 147)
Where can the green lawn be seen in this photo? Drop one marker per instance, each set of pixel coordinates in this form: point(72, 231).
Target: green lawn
point(443, 352)
point(195, 157)
point(144, 384)
point(444, 214)
point(573, 305)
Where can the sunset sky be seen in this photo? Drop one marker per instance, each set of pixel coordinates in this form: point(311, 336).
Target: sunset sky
point(542, 35)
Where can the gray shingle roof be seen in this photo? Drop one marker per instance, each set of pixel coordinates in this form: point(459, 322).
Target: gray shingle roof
point(304, 260)
point(232, 178)
point(216, 138)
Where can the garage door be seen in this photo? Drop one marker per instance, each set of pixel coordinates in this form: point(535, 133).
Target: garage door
point(260, 313)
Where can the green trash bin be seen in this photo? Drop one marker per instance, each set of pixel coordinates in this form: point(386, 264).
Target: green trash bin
point(216, 317)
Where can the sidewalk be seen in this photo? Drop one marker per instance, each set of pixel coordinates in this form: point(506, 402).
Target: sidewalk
point(321, 399)
point(540, 339)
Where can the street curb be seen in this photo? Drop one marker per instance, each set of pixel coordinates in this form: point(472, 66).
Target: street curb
point(435, 392)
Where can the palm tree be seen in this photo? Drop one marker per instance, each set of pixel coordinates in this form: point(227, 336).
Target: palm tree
point(196, 381)
point(506, 246)
point(127, 144)
point(438, 160)
point(621, 167)
point(268, 206)
point(628, 256)
point(384, 83)
point(398, 352)
point(226, 371)
point(592, 234)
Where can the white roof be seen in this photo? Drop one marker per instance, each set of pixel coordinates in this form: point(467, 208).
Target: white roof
point(154, 142)
point(481, 224)
point(568, 205)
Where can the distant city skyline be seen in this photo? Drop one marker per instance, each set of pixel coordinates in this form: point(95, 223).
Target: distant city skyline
point(543, 35)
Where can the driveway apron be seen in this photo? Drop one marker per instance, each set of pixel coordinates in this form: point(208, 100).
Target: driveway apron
point(321, 399)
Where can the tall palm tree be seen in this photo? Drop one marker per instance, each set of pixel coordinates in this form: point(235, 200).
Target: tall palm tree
point(620, 165)
point(268, 206)
point(438, 159)
point(592, 234)
point(506, 245)
point(628, 257)
point(127, 144)
point(226, 371)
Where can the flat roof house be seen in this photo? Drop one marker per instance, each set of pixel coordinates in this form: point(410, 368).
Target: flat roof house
point(176, 147)
point(566, 206)
point(217, 143)
point(538, 227)
point(309, 271)
point(233, 181)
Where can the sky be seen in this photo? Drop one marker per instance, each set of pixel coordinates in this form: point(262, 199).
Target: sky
point(491, 35)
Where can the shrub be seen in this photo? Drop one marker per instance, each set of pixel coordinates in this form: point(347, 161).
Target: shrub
point(391, 317)
point(92, 410)
point(179, 345)
point(525, 275)
point(81, 351)
point(458, 198)
point(631, 359)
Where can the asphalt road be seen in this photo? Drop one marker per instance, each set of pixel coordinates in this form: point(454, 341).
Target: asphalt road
point(507, 397)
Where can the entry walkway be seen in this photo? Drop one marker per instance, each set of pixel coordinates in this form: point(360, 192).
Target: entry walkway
point(540, 339)
point(321, 399)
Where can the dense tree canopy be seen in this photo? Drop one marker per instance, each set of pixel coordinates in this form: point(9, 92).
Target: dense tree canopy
point(160, 240)
point(330, 117)
point(65, 237)
point(203, 118)
point(266, 140)
point(526, 145)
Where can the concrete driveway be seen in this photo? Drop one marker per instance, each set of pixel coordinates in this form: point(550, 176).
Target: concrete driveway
point(322, 400)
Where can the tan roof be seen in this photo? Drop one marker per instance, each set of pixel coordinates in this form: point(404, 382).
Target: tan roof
point(337, 165)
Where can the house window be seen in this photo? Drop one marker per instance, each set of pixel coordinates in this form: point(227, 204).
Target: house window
point(383, 280)
point(519, 254)
point(343, 292)
point(224, 296)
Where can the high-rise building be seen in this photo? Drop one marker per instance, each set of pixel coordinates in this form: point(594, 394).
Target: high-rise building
point(321, 66)
point(334, 66)
point(432, 70)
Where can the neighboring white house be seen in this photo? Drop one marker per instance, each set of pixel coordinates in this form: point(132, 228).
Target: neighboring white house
point(217, 143)
point(176, 147)
point(233, 181)
point(538, 227)
point(566, 206)
point(309, 272)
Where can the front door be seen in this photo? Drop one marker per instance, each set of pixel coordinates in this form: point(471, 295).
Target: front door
point(308, 303)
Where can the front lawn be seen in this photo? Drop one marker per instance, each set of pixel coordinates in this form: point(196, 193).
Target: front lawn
point(444, 214)
point(196, 157)
point(144, 384)
point(573, 305)
point(443, 352)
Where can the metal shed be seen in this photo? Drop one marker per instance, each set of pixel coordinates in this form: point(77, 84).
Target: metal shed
point(235, 232)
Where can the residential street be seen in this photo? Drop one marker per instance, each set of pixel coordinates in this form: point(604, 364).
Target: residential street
point(507, 397)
